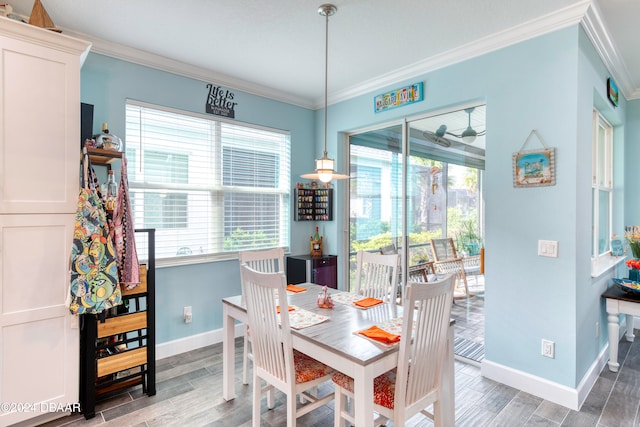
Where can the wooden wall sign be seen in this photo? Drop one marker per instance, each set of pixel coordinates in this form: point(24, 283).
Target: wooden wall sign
point(220, 102)
point(398, 97)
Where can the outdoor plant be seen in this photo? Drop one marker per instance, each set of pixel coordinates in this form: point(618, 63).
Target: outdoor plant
point(467, 239)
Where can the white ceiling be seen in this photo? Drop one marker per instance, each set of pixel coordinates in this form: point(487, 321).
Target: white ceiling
point(276, 48)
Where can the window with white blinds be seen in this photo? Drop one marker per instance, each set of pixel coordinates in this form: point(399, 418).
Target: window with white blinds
point(209, 187)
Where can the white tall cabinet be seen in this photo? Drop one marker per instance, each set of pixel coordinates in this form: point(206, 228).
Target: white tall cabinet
point(39, 182)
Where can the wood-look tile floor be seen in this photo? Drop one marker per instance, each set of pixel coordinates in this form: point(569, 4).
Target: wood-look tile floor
point(189, 393)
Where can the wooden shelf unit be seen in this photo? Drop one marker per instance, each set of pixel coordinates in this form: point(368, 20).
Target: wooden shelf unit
point(117, 349)
point(102, 157)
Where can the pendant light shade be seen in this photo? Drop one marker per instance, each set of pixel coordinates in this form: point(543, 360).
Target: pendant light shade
point(325, 166)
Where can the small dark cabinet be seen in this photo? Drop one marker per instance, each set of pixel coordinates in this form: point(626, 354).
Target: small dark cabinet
point(319, 270)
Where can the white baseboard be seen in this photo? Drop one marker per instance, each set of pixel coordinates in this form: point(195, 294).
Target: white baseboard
point(571, 398)
point(171, 348)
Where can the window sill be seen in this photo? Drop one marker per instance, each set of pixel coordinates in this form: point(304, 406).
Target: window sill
point(603, 264)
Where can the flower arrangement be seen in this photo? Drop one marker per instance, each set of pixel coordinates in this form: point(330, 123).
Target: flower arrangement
point(633, 264)
point(632, 236)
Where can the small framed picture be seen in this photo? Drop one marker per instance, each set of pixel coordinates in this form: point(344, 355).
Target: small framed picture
point(535, 168)
point(617, 248)
point(612, 92)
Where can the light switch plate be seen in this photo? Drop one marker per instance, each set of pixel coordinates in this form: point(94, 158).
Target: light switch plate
point(548, 248)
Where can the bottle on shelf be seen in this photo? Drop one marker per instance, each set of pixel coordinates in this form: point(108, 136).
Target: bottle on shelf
point(108, 141)
point(316, 244)
point(112, 191)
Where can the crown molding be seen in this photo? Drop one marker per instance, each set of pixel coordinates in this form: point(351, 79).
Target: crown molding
point(43, 37)
point(598, 33)
point(585, 12)
point(556, 20)
point(162, 63)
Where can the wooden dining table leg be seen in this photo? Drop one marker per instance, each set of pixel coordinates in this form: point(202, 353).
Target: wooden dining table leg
point(228, 354)
point(363, 396)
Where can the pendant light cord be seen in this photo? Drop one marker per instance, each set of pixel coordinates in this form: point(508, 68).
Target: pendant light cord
point(326, 76)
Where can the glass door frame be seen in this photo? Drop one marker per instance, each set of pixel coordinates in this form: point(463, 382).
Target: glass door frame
point(405, 123)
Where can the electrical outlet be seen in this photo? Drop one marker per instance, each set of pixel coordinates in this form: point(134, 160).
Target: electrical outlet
point(548, 348)
point(187, 314)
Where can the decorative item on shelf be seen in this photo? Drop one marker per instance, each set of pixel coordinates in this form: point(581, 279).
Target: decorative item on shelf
point(112, 192)
point(316, 244)
point(40, 18)
point(106, 140)
point(324, 298)
point(325, 166)
point(7, 11)
point(634, 269)
point(630, 286)
point(617, 249)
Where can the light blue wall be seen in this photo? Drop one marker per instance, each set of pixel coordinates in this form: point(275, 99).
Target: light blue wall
point(632, 155)
point(592, 83)
point(107, 83)
point(547, 84)
point(550, 84)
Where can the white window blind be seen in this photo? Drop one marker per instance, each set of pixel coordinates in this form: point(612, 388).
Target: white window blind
point(209, 187)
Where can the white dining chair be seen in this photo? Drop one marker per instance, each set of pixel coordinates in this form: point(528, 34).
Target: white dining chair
point(398, 395)
point(274, 359)
point(377, 275)
point(266, 261)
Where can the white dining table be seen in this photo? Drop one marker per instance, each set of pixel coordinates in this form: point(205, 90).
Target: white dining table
point(335, 343)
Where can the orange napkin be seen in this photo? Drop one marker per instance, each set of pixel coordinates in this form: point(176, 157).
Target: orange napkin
point(381, 335)
point(294, 288)
point(367, 302)
point(278, 309)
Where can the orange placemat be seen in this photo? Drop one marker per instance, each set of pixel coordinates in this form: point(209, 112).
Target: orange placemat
point(296, 289)
point(377, 334)
point(367, 302)
point(291, 308)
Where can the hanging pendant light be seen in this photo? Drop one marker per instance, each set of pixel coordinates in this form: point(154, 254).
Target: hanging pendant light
point(325, 166)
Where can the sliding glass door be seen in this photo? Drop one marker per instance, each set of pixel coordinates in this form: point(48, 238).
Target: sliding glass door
point(375, 203)
point(422, 167)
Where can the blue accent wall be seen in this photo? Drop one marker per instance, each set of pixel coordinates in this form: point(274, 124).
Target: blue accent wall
point(550, 83)
point(107, 83)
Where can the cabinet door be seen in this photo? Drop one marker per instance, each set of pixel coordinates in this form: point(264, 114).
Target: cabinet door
point(39, 340)
point(40, 122)
point(325, 271)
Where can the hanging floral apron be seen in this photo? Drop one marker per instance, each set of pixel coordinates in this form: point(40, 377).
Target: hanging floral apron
point(123, 235)
point(94, 285)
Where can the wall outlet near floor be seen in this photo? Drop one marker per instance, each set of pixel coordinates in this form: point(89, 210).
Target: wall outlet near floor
point(548, 348)
point(187, 314)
